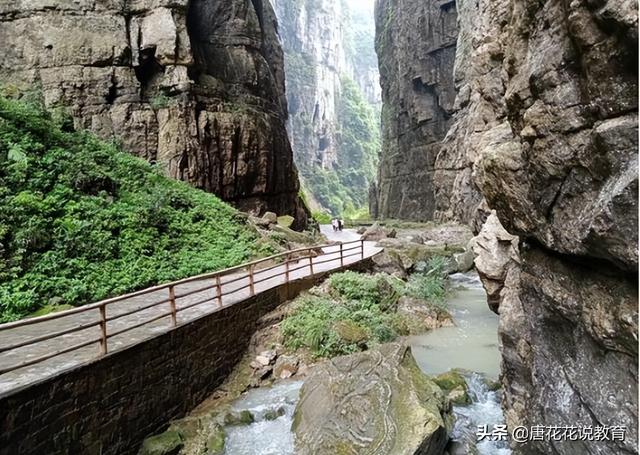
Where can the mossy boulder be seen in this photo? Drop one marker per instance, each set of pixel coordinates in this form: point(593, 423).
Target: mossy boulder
point(273, 414)
point(373, 402)
point(285, 221)
point(215, 441)
point(350, 331)
point(292, 236)
point(167, 443)
point(238, 418)
point(450, 380)
point(455, 385)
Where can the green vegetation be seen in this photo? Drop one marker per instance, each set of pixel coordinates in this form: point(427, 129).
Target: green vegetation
point(80, 220)
point(358, 310)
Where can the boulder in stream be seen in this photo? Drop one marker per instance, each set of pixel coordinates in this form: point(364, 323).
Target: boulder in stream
point(373, 402)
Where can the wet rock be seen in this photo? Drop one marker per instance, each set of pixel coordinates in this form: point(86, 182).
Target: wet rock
point(273, 414)
point(375, 402)
point(238, 418)
point(215, 441)
point(464, 261)
point(286, 366)
point(167, 443)
point(422, 315)
point(361, 230)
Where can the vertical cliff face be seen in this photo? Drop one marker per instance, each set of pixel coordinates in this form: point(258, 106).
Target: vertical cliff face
point(416, 46)
point(197, 87)
point(544, 132)
point(551, 125)
point(331, 77)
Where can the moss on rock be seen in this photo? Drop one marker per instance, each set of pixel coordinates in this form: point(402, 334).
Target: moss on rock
point(167, 443)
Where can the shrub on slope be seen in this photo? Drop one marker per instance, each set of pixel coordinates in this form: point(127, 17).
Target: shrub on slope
point(81, 220)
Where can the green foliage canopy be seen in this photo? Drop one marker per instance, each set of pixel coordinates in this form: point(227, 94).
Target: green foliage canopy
point(81, 220)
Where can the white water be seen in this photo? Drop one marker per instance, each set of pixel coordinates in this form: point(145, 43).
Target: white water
point(471, 345)
point(483, 410)
point(264, 437)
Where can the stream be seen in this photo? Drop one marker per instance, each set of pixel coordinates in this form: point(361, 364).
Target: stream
point(471, 345)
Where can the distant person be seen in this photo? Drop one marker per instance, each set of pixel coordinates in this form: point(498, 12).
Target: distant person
point(334, 224)
point(340, 224)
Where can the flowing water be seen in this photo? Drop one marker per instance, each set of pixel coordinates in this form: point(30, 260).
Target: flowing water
point(265, 437)
point(471, 345)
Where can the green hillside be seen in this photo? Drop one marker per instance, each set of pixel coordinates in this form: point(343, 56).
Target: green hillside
point(81, 220)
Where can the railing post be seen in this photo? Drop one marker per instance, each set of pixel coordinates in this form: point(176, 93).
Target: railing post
point(286, 269)
point(311, 262)
point(172, 302)
point(341, 256)
point(361, 248)
point(218, 290)
point(251, 283)
point(103, 329)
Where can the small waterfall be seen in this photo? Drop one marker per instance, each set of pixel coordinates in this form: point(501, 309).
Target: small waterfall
point(483, 410)
point(270, 434)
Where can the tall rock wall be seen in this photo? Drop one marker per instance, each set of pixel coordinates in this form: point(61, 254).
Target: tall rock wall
point(551, 127)
point(545, 133)
point(333, 94)
point(196, 86)
point(416, 46)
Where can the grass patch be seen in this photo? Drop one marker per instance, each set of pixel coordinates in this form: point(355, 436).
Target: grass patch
point(358, 310)
point(81, 220)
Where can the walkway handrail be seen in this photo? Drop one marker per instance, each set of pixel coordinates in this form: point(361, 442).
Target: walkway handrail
point(216, 282)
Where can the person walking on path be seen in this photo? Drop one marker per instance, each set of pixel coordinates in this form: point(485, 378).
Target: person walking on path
point(334, 224)
point(340, 224)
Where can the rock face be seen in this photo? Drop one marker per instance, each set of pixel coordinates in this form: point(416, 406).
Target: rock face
point(549, 121)
point(416, 47)
point(197, 87)
point(545, 133)
point(331, 76)
point(374, 402)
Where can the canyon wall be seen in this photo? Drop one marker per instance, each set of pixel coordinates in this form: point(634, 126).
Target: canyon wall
point(416, 47)
point(195, 86)
point(333, 96)
point(545, 133)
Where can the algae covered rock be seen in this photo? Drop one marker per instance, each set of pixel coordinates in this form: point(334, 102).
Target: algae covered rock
point(215, 441)
point(167, 443)
point(285, 220)
point(373, 402)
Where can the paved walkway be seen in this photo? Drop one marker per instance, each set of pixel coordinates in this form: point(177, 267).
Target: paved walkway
point(29, 374)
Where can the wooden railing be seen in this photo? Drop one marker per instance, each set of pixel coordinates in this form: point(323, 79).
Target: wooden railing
point(283, 264)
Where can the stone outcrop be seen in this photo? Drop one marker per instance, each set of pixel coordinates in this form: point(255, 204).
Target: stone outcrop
point(374, 402)
point(416, 46)
point(197, 87)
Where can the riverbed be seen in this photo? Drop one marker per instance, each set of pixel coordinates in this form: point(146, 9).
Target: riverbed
point(472, 345)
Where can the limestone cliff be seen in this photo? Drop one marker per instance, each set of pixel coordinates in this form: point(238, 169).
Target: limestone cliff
point(544, 132)
point(416, 46)
point(195, 86)
point(333, 96)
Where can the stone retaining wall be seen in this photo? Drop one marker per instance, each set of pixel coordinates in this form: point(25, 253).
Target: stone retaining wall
point(110, 405)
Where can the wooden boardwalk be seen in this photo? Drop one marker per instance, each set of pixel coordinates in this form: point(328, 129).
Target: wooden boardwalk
point(141, 310)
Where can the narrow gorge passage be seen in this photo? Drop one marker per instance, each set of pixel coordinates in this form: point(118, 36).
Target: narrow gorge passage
point(319, 227)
